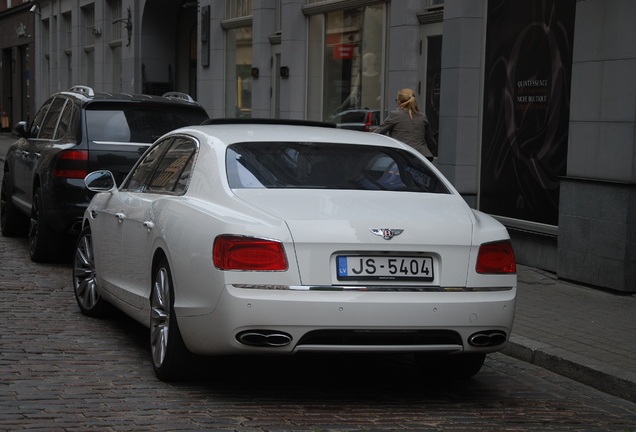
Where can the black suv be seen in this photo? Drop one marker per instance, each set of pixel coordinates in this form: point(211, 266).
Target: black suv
point(74, 133)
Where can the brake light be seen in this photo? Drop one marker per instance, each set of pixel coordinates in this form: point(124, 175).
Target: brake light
point(248, 253)
point(496, 258)
point(71, 164)
point(368, 122)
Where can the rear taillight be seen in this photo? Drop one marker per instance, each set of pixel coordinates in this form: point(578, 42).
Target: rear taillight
point(248, 253)
point(71, 164)
point(496, 257)
point(368, 122)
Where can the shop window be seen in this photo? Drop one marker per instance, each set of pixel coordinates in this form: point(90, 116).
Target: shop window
point(239, 72)
point(353, 60)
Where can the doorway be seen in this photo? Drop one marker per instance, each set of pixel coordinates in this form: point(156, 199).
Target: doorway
point(431, 73)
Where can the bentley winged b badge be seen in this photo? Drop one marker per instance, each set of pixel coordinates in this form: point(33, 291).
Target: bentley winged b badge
point(386, 233)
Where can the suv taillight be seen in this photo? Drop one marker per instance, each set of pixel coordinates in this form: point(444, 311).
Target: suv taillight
point(248, 253)
point(368, 122)
point(496, 258)
point(71, 164)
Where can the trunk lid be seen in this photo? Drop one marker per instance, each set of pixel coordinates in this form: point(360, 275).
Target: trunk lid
point(327, 224)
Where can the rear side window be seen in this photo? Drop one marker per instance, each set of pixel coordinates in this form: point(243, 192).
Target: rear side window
point(67, 126)
point(36, 125)
point(173, 171)
point(328, 166)
point(165, 167)
point(138, 181)
point(138, 123)
point(351, 117)
point(50, 121)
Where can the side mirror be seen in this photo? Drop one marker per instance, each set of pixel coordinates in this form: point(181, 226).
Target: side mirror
point(100, 181)
point(21, 129)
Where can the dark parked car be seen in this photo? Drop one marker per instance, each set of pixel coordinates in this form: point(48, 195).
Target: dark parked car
point(76, 132)
point(364, 120)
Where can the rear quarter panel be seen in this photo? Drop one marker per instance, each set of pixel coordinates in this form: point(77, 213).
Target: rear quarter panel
point(186, 229)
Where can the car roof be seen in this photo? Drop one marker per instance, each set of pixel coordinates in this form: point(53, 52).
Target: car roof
point(86, 95)
point(282, 130)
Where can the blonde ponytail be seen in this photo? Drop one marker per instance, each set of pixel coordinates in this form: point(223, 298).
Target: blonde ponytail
point(406, 98)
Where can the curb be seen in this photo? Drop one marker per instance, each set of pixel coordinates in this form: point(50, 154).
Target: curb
point(609, 379)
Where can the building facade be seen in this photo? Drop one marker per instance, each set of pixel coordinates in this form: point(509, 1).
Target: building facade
point(17, 62)
point(534, 102)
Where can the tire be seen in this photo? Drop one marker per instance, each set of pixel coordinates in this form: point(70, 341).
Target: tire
point(457, 366)
point(85, 284)
point(12, 222)
point(42, 239)
point(169, 353)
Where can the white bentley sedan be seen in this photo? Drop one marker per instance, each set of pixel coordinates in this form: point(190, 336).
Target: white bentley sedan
point(258, 237)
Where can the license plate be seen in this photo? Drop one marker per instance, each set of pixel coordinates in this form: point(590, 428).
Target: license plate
point(389, 268)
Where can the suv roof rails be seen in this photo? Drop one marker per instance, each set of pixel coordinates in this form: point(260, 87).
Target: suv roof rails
point(85, 90)
point(272, 121)
point(178, 95)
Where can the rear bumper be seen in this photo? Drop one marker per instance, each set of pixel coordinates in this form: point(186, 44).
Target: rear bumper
point(65, 201)
point(351, 320)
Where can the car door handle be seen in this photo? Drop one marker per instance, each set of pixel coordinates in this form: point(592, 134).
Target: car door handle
point(120, 216)
point(149, 225)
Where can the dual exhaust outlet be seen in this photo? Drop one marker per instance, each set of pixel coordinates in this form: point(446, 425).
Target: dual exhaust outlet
point(264, 338)
point(487, 338)
point(277, 339)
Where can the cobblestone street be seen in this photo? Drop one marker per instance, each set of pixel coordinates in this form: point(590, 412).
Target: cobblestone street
point(62, 371)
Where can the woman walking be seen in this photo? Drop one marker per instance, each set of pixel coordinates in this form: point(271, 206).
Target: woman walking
point(409, 125)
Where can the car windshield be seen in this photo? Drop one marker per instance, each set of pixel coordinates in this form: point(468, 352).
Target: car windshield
point(138, 122)
point(274, 165)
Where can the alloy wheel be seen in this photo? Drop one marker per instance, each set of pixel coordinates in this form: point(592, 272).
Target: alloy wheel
point(160, 316)
point(85, 283)
point(33, 229)
point(84, 273)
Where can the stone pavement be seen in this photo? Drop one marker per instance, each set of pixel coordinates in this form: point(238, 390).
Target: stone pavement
point(579, 332)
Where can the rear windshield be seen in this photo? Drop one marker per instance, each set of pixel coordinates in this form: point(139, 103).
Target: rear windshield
point(275, 165)
point(138, 123)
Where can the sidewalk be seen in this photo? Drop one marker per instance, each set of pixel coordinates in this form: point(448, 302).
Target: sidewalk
point(583, 333)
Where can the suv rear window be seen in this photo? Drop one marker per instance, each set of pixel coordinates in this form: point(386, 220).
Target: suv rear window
point(351, 117)
point(139, 123)
point(328, 166)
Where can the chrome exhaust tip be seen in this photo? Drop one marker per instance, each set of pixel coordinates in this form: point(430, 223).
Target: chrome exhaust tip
point(487, 338)
point(264, 338)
